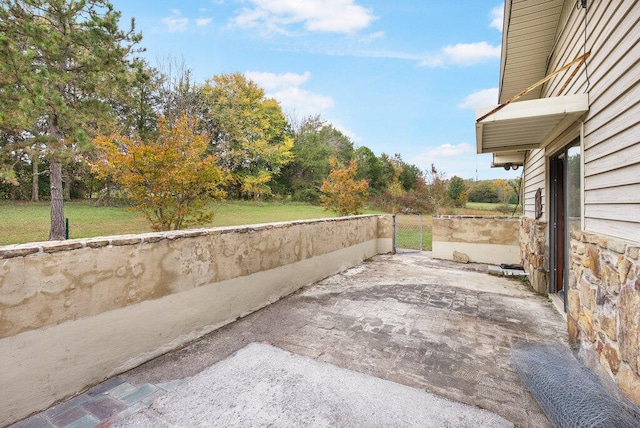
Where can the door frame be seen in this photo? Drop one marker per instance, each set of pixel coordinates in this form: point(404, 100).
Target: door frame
point(557, 231)
point(559, 239)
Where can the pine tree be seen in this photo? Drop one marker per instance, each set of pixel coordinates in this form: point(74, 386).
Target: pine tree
point(61, 63)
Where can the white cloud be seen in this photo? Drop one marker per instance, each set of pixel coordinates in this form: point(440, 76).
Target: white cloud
point(203, 22)
point(497, 16)
point(302, 101)
point(272, 81)
point(286, 89)
point(334, 16)
point(373, 36)
point(446, 151)
point(463, 54)
point(460, 159)
point(471, 53)
point(482, 98)
point(176, 23)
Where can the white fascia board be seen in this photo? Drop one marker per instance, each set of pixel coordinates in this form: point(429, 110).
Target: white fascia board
point(567, 104)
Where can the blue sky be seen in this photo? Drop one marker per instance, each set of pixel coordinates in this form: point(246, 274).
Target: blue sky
point(398, 77)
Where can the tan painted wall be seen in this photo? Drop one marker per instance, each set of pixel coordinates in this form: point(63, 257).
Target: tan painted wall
point(492, 240)
point(74, 313)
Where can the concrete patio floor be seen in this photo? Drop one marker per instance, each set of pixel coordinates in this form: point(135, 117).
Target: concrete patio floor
point(442, 327)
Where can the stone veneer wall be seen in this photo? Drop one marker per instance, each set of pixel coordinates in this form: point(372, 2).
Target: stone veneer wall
point(604, 305)
point(75, 312)
point(533, 241)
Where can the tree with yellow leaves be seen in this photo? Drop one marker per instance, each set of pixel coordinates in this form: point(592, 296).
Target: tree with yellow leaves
point(170, 179)
point(341, 193)
point(248, 131)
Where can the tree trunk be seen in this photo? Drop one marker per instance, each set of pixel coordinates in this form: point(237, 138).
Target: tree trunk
point(66, 190)
point(34, 178)
point(57, 231)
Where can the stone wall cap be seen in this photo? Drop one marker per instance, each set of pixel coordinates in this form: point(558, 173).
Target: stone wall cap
point(98, 242)
point(25, 249)
point(122, 240)
point(19, 250)
point(57, 246)
point(479, 217)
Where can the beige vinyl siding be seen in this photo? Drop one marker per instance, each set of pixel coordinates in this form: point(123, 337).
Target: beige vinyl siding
point(612, 126)
point(534, 178)
point(619, 193)
point(625, 230)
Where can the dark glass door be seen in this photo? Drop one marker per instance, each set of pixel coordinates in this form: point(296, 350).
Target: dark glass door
point(565, 212)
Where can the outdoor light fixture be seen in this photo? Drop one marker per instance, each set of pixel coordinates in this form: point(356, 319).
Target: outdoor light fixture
point(508, 166)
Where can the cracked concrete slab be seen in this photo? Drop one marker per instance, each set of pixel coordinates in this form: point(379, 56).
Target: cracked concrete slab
point(438, 326)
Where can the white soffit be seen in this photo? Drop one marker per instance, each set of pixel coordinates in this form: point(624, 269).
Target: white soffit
point(527, 40)
point(526, 125)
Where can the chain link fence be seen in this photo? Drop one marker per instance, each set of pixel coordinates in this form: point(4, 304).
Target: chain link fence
point(409, 233)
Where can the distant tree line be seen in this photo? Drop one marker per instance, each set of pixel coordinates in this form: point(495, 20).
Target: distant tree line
point(81, 116)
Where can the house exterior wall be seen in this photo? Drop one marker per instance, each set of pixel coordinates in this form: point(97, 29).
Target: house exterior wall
point(73, 313)
point(604, 290)
point(611, 136)
point(534, 178)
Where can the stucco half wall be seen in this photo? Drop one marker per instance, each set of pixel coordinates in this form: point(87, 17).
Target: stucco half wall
point(74, 313)
point(492, 240)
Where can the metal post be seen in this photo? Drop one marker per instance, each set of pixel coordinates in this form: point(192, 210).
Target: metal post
point(420, 216)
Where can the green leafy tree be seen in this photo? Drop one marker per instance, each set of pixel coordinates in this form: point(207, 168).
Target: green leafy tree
point(171, 179)
point(409, 174)
point(457, 191)
point(341, 193)
point(61, 61)
point(138, 109)
point(391, 171)
point(315, 143)
point(484, 191)
point(370, 169)
point(248, 132)
point(515, 185)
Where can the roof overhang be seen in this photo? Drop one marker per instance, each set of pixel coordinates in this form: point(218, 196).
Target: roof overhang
point(527, 125)
point(528, 37)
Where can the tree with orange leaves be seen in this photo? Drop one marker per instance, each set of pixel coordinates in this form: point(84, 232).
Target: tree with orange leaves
point(170, 179)
point(341, 193)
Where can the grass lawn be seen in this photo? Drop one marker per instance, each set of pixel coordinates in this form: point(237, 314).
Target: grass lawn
point(408, 234)
point(487, 206)
point(29, 222)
